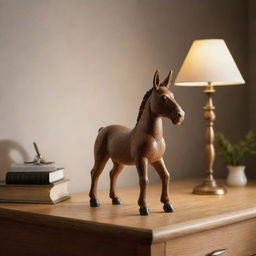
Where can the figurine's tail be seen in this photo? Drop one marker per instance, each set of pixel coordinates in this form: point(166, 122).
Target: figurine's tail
point(100, 129)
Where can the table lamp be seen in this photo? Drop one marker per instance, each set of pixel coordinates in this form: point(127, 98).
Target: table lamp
point(209, 64)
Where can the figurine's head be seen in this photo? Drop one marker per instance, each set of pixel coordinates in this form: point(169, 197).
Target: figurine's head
point(162, 100)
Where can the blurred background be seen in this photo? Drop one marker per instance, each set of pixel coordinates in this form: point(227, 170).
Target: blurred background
point(68, 68)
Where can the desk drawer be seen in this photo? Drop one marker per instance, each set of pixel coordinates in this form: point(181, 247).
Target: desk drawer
point(239, 239)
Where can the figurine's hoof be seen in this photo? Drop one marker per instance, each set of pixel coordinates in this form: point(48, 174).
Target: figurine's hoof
point(94, 202)
point(116, 200)
point(144, 211)
point(168, 208)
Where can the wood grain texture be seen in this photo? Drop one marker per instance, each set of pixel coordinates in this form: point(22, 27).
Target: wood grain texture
point(152, 235)
point(19, 239)
point(238, 239)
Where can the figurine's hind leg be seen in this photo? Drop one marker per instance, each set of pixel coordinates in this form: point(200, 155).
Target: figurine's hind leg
point(142, 168)
point(165, 178)
point(95, 173)
point(117, 168)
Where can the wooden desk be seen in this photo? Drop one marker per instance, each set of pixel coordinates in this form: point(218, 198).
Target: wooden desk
point(201, 224)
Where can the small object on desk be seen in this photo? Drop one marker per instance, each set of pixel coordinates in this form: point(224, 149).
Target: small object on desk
point(141, 146)
point(48, 194)
point(36, 172)
point(38, 159)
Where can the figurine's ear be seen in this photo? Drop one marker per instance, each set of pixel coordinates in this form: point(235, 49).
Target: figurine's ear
point(156, 80)
point(168, 80)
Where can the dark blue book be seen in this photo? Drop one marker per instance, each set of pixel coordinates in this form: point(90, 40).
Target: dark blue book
point(36, 175)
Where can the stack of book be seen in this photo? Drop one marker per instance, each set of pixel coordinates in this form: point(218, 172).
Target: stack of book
point(30, 183)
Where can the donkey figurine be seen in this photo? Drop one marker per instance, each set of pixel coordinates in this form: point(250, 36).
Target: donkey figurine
point(140, 146)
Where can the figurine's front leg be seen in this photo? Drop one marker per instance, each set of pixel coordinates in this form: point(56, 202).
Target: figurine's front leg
point(142, 168)
point(165, 178)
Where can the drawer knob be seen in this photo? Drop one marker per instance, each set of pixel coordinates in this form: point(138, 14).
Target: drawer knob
point(217, 252)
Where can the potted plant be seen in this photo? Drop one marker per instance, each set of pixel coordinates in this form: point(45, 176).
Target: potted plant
point(235, 156)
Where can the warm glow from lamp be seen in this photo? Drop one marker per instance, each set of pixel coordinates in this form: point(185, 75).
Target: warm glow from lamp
point(209, 61)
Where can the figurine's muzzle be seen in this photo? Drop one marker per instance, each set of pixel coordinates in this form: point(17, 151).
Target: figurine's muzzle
point(177, 116)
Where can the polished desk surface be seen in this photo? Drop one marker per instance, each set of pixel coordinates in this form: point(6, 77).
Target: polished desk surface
point(194, 213)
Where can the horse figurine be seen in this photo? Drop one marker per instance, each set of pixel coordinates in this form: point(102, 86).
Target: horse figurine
point(140, 146)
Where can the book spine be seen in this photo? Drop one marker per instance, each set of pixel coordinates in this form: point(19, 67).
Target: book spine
point(39, 178)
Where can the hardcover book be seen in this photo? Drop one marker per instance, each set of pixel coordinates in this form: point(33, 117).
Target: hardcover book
point(34, 176)
point(48, 194)
point(32, 168)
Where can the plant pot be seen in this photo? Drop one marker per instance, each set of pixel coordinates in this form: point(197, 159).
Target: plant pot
point(236, 176)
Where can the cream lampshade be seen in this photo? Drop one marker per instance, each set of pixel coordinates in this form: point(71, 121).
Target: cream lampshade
point(209, 63)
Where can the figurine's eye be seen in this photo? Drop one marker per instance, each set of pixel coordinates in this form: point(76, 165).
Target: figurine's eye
point(163, 99)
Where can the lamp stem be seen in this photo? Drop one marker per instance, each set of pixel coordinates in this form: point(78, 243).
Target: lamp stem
point(209, 186)
point(209, 136)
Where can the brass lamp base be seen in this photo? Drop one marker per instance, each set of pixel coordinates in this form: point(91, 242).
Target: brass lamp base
point(209, 188)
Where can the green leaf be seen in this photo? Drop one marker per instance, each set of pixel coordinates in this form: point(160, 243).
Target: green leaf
point(236, 154)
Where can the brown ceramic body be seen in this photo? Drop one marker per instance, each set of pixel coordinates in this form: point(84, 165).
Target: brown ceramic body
point(140, 146)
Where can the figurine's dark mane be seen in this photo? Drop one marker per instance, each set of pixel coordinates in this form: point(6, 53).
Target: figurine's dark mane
point(143, 104)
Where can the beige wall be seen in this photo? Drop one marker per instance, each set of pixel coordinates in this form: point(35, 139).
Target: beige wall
point(70, 67)
point(252, 75)
point(252, 60)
